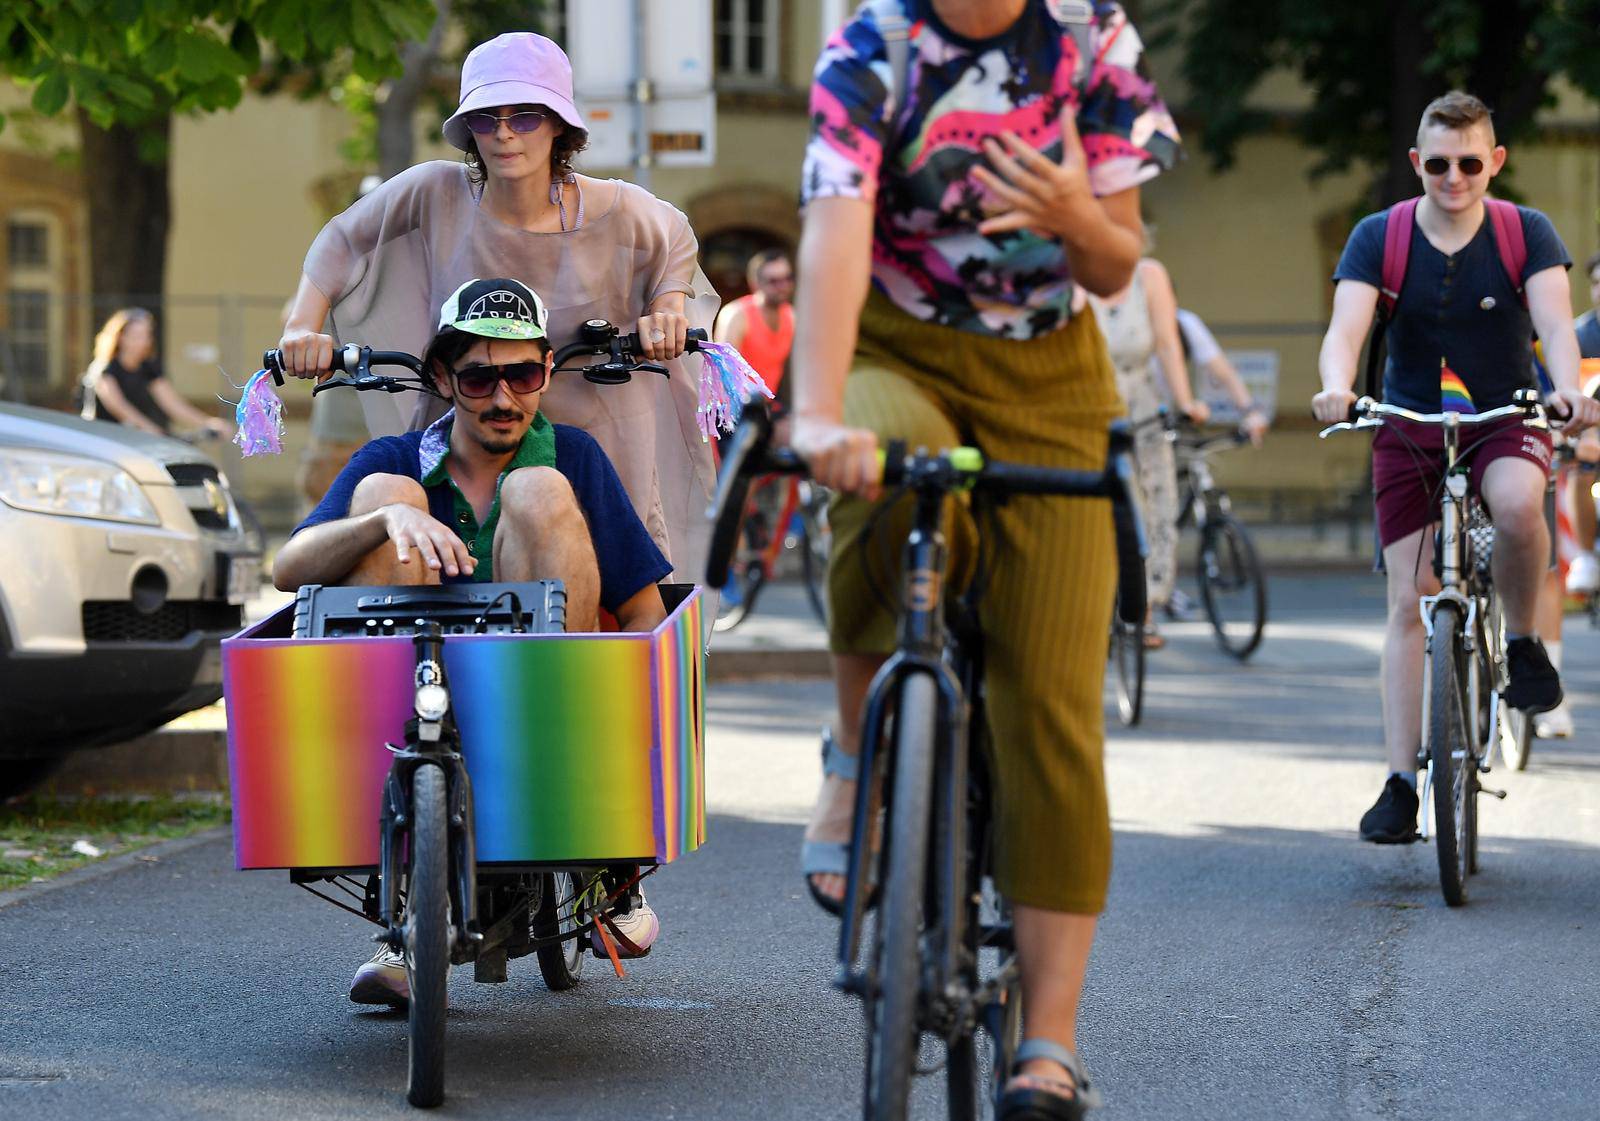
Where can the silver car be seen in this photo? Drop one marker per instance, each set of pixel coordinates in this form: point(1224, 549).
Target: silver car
point(124, 562)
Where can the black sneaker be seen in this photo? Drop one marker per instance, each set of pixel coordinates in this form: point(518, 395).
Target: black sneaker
point(1535, 685)
point(1392, 820)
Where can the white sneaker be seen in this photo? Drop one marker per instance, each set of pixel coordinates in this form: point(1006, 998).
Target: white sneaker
point(382, 980)
point(1583, 575)
point(1555, 724)
point(639, 926)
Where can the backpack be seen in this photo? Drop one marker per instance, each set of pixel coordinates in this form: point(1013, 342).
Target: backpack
point(1074, 17)
point(1399, 221)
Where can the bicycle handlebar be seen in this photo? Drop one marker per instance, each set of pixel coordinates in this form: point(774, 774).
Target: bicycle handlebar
point(1368, 413)
point(748, 454)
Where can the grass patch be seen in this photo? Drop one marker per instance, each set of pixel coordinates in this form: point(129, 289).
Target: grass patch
point(37, 834)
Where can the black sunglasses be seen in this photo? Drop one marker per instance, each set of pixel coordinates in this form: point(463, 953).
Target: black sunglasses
point(524, 120)
point(1440, 165)
point(520, 377)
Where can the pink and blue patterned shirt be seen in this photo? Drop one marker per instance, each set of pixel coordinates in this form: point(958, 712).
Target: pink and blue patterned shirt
point(927, 255)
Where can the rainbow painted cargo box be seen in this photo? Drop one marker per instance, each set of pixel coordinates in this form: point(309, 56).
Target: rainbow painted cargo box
point(581, 748)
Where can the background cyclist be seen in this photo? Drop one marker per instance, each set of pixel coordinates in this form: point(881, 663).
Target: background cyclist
point(1460, 338)
point(940, 248)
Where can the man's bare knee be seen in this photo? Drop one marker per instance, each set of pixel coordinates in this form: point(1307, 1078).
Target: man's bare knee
point(377, 491)
point(539, 497)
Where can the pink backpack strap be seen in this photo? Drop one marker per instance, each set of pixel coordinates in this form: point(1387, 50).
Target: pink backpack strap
point(1510, 241)
point(1397, 227)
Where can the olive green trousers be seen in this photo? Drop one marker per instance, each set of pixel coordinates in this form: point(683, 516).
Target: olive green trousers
point(1047, 573)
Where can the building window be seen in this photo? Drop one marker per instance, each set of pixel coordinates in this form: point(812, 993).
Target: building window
point(27, 359)
point(745, 36)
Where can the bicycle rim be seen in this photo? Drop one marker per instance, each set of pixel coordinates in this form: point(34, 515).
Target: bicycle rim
point(1516, 738)
point(895, 986)
point(427, 936)
point(1232, 586)
point(1450, 754)
point(1127, 648)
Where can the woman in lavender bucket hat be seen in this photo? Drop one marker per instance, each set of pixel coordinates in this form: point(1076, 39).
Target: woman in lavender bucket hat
point(592, 248)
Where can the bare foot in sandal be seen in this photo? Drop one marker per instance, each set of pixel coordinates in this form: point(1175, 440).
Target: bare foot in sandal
point(827, 839)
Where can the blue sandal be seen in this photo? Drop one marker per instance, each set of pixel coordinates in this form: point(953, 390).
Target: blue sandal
point(1047, 1099)
point(825, 858)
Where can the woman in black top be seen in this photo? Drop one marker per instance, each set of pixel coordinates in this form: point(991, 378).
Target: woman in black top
point(127, 384)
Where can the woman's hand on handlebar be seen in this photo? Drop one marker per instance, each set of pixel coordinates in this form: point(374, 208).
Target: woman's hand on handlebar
point(1332, 406)
point(840, 458)
point(1197, 411)
point(305, 353)
point(663, 334)
point(435, 543)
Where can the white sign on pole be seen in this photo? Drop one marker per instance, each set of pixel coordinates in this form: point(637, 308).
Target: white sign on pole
point(680, 112)
point(1258, 369)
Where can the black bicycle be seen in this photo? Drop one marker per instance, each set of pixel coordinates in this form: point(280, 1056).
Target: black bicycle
point(941, 961)
point(428, 894)
point(1233, 586)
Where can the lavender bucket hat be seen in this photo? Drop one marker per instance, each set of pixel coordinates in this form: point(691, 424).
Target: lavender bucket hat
point(517, 68)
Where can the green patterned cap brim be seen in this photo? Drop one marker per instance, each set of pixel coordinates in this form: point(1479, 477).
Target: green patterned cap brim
point(499, 328)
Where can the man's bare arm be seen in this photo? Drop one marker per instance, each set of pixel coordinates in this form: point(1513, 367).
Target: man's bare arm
point(644, 610)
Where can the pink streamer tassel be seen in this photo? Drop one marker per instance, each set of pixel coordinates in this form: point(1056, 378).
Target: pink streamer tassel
point(727, 381)
point(259, 417)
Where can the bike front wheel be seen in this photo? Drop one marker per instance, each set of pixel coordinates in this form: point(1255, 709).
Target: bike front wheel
point(1232, 586)
point(895, 980)
point(1451, 759)
point(427, 934)
point(1128, 656)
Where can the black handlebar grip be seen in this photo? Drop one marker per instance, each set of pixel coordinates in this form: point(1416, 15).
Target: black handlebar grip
point(733, 487)
point(272, 361)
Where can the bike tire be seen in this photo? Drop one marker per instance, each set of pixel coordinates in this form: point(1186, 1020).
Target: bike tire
point(561, 911)
point(1231, 577)
point(1516, 738)
point(815, 543)
point(427, 935)
point(893, 1032)
point(1447, 734)
point(1128, 654)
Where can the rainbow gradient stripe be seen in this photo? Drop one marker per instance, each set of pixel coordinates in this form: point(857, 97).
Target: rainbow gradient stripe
point(580, 747)
point(1453, 395)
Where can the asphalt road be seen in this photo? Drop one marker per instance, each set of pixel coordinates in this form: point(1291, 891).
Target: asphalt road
point(1256, 961)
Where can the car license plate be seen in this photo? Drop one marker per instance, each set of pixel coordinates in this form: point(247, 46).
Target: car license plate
point(243, 578)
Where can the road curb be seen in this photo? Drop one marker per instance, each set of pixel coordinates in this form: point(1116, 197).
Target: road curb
point(168, 760)
point(143, 854)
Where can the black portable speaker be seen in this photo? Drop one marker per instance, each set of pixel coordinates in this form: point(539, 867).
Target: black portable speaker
point(533, 607)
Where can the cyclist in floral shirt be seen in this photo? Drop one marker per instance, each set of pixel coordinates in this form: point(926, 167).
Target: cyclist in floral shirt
point(950, 209)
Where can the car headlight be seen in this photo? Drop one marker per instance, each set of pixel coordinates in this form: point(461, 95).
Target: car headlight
point(51, 483)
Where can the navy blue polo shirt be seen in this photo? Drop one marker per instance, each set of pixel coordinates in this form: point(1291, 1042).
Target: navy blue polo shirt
point(1442, 312)
point(628, 557)
point(1588, 327)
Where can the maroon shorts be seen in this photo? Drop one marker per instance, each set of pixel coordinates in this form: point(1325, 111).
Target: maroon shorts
point(1408, 467)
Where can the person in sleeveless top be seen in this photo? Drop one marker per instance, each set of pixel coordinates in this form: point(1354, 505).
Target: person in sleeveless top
point(761, 325)
point(1140, 323)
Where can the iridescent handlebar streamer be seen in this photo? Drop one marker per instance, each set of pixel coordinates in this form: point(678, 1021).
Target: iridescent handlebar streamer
point(259, 416)
point(727, 381)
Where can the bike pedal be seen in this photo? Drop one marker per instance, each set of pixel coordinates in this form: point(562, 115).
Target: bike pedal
point(1500, 794)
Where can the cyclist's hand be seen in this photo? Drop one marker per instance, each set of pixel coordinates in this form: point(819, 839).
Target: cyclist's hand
point(663, 334)
point(840, 458)
point(306, 354)
point(1197, 411)
point(1332, 406)
point(1255, 425)
point(220, 428)
point(1572, 410)
point(1037, 193)
point(431, 541)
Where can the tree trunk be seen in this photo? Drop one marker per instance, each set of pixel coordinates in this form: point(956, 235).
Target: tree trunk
point(1410, 90)
point(129, 213)
point(397, 101)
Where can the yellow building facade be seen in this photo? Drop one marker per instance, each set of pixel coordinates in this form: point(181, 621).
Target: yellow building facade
point(1249, 250)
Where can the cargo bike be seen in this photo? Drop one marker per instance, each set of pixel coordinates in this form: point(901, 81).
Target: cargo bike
point(477, 783)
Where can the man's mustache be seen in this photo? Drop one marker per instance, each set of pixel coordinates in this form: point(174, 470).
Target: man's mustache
point(499, 414)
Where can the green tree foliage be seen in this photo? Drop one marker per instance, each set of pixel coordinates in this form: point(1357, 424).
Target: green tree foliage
point(1372, 68)
point(127, 62)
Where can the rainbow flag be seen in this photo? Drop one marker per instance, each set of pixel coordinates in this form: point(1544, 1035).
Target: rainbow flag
point(1453, 395)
